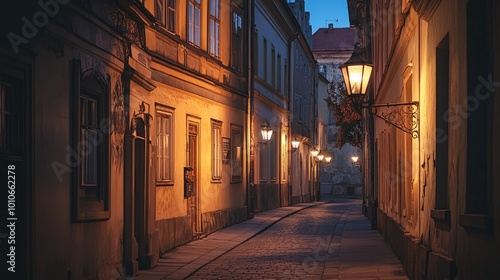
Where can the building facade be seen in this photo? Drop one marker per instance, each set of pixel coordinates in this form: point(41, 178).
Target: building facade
point(132, 127)
point(434, 184)
point(139, 145)
point(303, 106)
point(332, 47)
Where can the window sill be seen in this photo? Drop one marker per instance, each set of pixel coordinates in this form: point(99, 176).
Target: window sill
point(480, 222)
point(440, 215)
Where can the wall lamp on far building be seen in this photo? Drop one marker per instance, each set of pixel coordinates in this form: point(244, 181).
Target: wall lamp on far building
point(267, 132)
point(355, 162)
point(295, 144)
point(320, 157)
point(356, 73)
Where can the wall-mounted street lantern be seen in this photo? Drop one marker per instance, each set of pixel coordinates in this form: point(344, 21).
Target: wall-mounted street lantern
point(318, 158)
point(355, 162)
point(356, 73)
point(314, 152)
point(266, 132)
point(295, 144)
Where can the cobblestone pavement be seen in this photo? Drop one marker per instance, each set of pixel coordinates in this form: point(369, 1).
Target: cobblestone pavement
point(296, 247)
point(315, 240)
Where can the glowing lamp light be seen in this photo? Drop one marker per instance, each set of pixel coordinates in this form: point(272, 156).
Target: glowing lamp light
point(356, 73)
point(295, 144)
point(314, 152)
point(354, 159)
point(266, 132)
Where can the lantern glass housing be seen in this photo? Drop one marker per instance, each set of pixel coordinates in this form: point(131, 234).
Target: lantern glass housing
point(314, 152)
point(354, 158)
point(356, 73)
point(266, 132)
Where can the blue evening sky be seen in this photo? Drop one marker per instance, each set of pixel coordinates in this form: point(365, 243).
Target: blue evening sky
point(324, 12)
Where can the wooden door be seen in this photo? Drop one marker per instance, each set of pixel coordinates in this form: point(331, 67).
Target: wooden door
point(192, 185)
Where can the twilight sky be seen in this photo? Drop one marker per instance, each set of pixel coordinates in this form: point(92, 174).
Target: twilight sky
point(324, 12)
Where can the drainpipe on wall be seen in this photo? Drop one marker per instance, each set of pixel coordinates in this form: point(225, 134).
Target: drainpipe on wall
point(250, 107)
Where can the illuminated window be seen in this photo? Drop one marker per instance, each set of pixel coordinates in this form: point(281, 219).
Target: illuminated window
point(164, 145)
point(216, 150)
point(214, 28)
point(194, 7)
point(91, 141)
point(237, 42)
point(165, 13)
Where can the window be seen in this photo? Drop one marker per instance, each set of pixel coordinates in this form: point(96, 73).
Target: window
point(479, 108)
point(214, 28)
point(91, 142)
point(164, 146)
point(237, 42)
point(9, 119)
point(165, 13)
point(442, 107)
point(273, 66)
point(278, 85)
point(236, 153)
point(194, 21)
point(264, 54)
point(216, 150)
point(322, 69)
point(286, 78)
point(256, 52)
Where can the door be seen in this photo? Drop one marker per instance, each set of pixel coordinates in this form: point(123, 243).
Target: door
point(192, 183)
point(140, 186)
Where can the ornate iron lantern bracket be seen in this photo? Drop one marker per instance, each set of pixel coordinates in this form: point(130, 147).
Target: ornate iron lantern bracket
point(404, 117)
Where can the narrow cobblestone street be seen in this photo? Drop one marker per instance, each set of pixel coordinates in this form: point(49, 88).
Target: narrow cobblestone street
point(307, 245)
point(320, 240)
point(294, 248)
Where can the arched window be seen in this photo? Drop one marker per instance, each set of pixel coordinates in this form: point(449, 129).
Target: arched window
point(90, 145)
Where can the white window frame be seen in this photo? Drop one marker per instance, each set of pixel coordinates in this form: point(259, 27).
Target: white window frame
point(164, 145)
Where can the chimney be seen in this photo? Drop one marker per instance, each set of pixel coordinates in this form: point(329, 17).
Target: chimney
point(330, 26)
